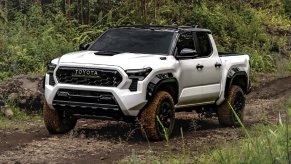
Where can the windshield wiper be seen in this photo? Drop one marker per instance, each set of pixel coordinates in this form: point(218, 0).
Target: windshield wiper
point(109, 53)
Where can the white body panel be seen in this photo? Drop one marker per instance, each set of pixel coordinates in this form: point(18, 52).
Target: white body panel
point(229, 62)
point(200, 86)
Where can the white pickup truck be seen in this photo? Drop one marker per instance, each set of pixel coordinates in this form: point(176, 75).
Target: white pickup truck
point(145, 74)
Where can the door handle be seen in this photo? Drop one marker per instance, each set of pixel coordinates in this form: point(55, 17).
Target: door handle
point(199, 66)
point(217, 65)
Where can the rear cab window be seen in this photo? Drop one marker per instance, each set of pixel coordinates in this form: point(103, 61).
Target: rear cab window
point(204, 47)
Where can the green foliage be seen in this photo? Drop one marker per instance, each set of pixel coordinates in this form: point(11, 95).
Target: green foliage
point(33, 33)
point(33, 39)
point(287, 7)
point(269, 144)
point(268, 147)
point(20, 120)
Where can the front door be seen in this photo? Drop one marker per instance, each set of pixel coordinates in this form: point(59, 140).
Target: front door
point(201, 75)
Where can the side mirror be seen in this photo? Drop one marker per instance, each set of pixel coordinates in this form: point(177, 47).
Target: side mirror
point(84, 46)
point(187, 53)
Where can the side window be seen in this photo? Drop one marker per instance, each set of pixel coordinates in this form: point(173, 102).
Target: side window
point(204, 44)
point(185, 41)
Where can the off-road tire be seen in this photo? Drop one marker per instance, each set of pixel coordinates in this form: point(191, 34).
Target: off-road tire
point(236, 98)
point(55, 123)
point(161, 105)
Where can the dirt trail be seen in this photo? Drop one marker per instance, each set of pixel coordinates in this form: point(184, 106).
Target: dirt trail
point(96, 141)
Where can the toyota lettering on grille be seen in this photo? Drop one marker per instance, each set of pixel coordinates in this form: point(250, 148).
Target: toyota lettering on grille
point(85, 73)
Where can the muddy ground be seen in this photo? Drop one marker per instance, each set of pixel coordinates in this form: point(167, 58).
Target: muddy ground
point(97, 141)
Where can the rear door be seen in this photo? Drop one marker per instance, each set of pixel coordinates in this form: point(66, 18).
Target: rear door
point(201, 75)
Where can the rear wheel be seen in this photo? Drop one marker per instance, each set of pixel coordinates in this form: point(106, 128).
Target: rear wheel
point(55, 123)
point(161, 106)
point(236, 99)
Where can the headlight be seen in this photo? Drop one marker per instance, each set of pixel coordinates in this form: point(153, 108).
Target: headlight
point(50, 68)
point(139, 74)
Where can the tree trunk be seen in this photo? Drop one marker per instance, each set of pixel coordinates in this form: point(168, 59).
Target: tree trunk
point(155, 11)
point(6, 13)
point(82, 12)
point(144, 12)
point(68, 10)
point(88, 11)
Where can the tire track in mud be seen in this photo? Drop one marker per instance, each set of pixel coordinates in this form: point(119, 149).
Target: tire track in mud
point(96, 141)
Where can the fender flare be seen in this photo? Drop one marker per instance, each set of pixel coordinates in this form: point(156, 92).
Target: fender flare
point(232, 74)
point(158, 81)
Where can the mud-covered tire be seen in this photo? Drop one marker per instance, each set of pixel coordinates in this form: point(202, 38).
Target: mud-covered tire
point(55, 123)
point(236, 98)
point(162, 105)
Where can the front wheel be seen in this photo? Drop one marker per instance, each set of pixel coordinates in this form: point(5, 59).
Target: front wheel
point(55, 123)
point(235, 100)
point(158, 118)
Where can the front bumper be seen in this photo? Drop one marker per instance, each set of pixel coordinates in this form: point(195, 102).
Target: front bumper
point(128, 102)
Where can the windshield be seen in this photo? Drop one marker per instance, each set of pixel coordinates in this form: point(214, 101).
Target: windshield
point(134, 41)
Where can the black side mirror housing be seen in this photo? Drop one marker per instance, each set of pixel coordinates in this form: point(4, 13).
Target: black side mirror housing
point(187, 53)
point(84, 46)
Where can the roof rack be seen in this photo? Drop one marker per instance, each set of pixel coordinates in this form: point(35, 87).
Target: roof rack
point(174, 26)
point(167, 27)
point(149, 26)
point(186, 26)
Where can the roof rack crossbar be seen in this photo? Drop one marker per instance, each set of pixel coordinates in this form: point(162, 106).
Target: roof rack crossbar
point(166, 27)
point(149, 26)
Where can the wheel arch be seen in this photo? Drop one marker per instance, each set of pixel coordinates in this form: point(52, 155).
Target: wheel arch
point(163, 82)
point(236, 77)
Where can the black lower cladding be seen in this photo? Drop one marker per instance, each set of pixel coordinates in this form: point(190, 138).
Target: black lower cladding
point(84, 102)
point(133, 85)
point(51, 79)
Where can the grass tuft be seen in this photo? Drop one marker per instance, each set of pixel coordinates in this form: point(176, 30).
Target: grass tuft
point(267, 144)
point(164, 130)
point(20, 120)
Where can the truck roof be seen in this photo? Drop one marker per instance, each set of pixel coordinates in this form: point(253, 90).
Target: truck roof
point(173, 28)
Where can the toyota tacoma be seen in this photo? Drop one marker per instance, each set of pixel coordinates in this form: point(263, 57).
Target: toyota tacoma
point(145, 74)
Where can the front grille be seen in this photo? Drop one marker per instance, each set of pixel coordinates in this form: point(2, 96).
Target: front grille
point(85, 99)
point(89, 76)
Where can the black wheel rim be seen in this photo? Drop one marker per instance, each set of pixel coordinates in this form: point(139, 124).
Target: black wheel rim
point(238, 105)
point(166, 116)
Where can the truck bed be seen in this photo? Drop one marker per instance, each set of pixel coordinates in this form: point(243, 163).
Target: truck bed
point(224, 54)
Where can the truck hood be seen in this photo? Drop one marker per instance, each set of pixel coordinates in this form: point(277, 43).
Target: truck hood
point(123, 60)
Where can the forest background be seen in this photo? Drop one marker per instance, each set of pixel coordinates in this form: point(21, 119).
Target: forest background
point(33, 32)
